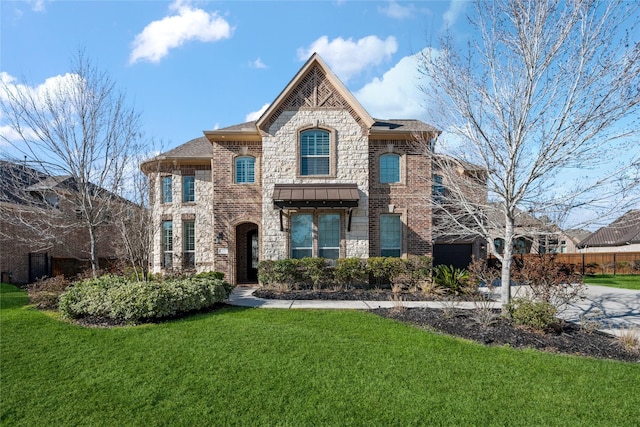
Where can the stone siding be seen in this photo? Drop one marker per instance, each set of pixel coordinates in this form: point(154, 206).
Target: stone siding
point(280, 166)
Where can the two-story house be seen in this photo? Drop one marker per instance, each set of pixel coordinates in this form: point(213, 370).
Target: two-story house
point(314, 176)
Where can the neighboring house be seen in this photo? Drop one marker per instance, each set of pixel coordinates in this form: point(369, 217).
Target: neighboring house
point(314, 176)
point(39, 232)
point(622, 235)
point(533, 235)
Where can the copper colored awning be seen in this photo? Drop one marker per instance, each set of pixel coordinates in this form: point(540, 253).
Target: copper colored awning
point(315, 196)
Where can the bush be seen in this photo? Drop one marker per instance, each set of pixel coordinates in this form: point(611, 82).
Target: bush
point(116, 298)
point(549, 282)
point(315, 272)
point(539, 315)
point(454, 279)
point(350, 272)
point(44, 293)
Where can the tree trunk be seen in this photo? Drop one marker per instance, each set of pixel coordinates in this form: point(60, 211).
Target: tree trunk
point(507, 259)
point(94, 252)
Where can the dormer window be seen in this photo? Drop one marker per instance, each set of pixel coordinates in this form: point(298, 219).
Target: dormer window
point(315, 150)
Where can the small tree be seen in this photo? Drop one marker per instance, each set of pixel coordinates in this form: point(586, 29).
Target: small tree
point(82, 130)
point(544, 88)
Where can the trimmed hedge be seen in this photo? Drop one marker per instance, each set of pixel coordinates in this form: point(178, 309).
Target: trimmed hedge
point(116, 298)
point(318, 273)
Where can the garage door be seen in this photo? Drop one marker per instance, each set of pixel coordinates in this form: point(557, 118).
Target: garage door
point(458, 255)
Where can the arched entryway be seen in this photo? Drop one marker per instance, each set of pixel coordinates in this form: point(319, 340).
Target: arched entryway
point(247, 252)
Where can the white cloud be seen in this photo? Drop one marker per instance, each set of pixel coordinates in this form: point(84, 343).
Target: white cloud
point(154, 42)
point(49, 90)
point(255, 115)
point(37, 5)
point(396, 11)
point(348, 58)
point(396, 95)
point(456, 8)
point(258, 64)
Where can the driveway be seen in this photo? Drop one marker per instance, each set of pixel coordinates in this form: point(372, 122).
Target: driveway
point(614, 308)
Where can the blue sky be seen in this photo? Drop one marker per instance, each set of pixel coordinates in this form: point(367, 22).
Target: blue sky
point(190, 66)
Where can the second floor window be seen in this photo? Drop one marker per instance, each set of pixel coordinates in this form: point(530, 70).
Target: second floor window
point(389, 168)
point(167, 196)
point(314, 152)
point(245, 170)
point(188, 188)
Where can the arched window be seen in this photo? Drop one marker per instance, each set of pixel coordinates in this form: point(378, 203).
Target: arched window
point(245, 170)
point(389, 168)
point(315, 150)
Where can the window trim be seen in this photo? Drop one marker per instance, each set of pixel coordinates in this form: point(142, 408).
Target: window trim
point(333, 154)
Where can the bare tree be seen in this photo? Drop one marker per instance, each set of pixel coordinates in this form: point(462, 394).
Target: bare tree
point(81, 131)
point(545, 90)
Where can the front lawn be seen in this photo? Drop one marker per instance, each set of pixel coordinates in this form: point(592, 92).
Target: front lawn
point(617, 281)
point(241, 366)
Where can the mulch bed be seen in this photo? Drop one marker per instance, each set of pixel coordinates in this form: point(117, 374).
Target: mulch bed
point(566, 338)
point(373, 294)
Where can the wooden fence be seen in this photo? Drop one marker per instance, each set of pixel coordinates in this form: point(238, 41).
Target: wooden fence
point(597, 263)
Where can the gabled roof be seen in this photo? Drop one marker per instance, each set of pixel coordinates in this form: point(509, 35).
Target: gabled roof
point(623, 231)
point(15, 178)
point(315, 85)
point(389, 128)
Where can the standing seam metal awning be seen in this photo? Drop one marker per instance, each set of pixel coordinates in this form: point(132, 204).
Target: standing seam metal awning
point(286, 196)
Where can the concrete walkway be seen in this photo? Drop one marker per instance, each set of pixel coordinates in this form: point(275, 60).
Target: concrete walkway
point(615, 309)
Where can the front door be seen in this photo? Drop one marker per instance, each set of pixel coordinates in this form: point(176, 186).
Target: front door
point(252, 256)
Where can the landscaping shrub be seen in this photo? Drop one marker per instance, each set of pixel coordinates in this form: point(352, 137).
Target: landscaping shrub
point(419, 269)
point(549, 282)
point(315, 272)
point(116, 298)
point(454, 279)
point(287, 272)
point(539, 315)
point(350, 272)
point(44, 293)
point(386, 270)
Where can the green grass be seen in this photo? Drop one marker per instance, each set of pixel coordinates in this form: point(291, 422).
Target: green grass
point(617, 281)
point(242, 366)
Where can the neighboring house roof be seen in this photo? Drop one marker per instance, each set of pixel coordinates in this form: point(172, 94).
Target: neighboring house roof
point(15, 178)
point(50, 183)
point(623, 231)
point(577, 235)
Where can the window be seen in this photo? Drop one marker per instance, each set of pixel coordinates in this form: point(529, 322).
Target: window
point(437, 190)
point(188, 244)
point(499, 245)
point(314, 152)
point(301, 235)
point(390, 235)
point(389, 168)
point(329, 236)
point(188, 188)
point(167, 244)
point(245, 170)
point(167, 196)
